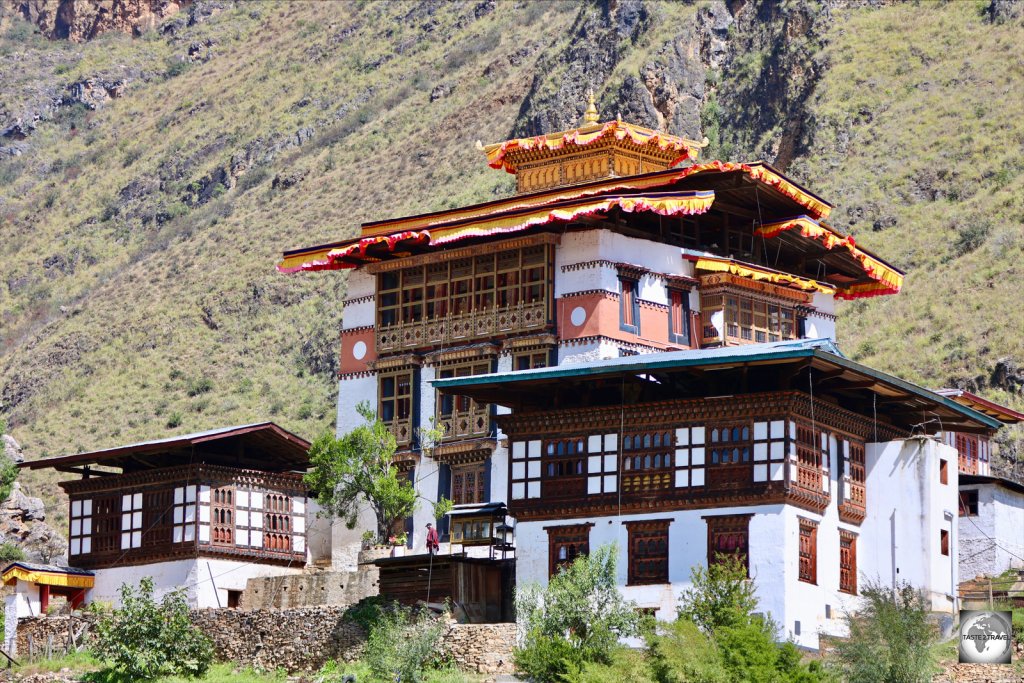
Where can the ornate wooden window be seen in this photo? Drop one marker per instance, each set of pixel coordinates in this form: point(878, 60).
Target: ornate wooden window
point(469, 483)
point(629, 305)
point(647, 462)
point(853, 499)
point(847, 562)
point(106, 524)
point(648, 552)
point(808, 551)
point(565, 544)
point(748, 319)
point(729, 536)
point(730, 445)
point(679, 316)
point(460, 416)
point(563, 467)
point(270, 515)
point(394, 406)
point(432, 303)
point(528, 360)
point(80, 527)
point(222, 513)
point(156, 518)
point(944, 542)
point(131, 521)
point(969, 503)
point(811, 446)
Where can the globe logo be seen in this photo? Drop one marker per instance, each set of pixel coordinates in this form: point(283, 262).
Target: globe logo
point(985, 637)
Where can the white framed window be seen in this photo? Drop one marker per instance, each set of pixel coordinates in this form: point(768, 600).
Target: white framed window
point(80, 527)
point(131, 521)
point(184, 514)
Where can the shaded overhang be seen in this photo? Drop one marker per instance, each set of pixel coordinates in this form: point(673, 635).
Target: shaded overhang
point(263, 446)
point(964, 479)
point(1000, 412)
point(815, 367)
point(48, 575)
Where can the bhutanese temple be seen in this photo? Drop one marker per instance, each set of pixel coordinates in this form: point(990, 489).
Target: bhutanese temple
point(639, 346)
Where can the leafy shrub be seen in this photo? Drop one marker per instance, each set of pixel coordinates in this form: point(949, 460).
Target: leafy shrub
point(889, 638)
point(174, 420)
point(577, 619)
point(9, 552)
point(402, 645)
point(625, 665)
point(200, 385)
point(145, 639)
point(681, 652)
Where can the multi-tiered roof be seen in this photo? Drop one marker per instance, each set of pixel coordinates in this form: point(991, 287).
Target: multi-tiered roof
point(743, 217)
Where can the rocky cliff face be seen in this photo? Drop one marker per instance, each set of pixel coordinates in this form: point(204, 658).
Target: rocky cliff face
point(80, 20)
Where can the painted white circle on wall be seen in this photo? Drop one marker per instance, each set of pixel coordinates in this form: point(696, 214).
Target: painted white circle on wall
point(578, 316)
point(359, 350)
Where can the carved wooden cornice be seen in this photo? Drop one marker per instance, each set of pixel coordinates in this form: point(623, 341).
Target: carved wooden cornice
point(529, 343)
point(462, 354)
point(464, 252)
point(164, 477)
point(406, 360)
point(464, 452)
point(717, 282)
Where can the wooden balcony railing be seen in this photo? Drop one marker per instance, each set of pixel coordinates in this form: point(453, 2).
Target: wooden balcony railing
point(402, 429)
point(853, 507)
point(462, 327)
point(462, 424)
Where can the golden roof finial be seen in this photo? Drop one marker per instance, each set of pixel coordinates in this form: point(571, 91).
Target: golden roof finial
point(590, 115)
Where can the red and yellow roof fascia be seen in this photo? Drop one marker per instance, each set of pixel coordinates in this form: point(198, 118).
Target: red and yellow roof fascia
point(662, 204)
point(752, 272)
point(44, 578)
point(887, 280)
point(502, 154)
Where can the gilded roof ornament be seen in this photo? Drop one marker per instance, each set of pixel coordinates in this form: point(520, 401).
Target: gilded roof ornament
point(590, 115)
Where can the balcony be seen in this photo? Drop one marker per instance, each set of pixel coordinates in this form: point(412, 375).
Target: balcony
point(462, 328)
point(473, 422)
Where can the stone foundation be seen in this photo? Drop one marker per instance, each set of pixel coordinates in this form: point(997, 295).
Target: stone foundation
point(56, 633)
point(312, 588)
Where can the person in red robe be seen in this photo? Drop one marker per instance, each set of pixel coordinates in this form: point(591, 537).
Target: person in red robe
point(433, 541)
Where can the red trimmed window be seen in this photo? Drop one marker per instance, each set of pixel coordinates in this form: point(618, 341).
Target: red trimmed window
point(648, 552)
point(679, 317)
point(808, 551)
point(629, 306)
point(729, 536)
point(847, 562)
point(565, 544)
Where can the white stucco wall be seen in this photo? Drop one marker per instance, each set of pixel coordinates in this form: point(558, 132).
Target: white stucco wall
point(192, 575)
point(603, 245)
point(351, 392)
point(908, 507)
point(993, 540)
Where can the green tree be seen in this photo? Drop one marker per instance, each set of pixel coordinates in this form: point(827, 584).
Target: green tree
point(890, 637)
point(358, 468)
point(402, 645)
point(145, 639)
point(577, 619)
point(8, 468)
point(721, 595)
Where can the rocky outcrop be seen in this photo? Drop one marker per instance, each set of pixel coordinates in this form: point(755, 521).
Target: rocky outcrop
point(21, 523)
point(80, 20)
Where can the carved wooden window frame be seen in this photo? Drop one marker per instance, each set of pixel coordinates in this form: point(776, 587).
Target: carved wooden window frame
point(847, 562)
point(566, 543)
point(451, 407)
point(469, 483)
point(648, 552)
point(395, 405)
point(808, 551)
point(729, 535)
point(629, 304)
point(530, 360)
point(647, 461)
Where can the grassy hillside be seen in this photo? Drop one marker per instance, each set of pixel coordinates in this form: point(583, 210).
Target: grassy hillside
point(137, 292)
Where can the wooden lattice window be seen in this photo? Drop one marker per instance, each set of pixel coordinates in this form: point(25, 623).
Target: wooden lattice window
point(749, 320)
point(847, 562)
point(468, 483)
point(648, 552)
point(729, 536)
point(679, 316)
point(461, 416)
point(565, 544)
point(808, 551)
point(564, 467)
point(395, 403)
point(106, 524)
point(222, 514)
point(647, 463)
point(730, 445)
point(157, 518)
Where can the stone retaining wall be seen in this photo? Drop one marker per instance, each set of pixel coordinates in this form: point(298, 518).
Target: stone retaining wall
point(58, 628)
point(300, 639)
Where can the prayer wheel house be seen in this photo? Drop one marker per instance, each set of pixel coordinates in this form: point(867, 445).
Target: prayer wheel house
point(640, 347)
point(204, 512)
